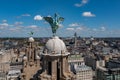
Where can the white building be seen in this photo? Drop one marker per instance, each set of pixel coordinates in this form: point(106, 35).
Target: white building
point(84, 72)
point(76, 59)
point(78, 67)
point(13, 74)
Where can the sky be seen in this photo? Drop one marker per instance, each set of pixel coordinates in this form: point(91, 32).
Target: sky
point(97, 18)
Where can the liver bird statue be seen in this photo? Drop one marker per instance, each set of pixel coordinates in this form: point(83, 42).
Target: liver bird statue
point(54, 22)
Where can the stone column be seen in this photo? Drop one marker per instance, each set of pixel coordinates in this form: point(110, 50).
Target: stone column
point(62, 65)
point(54, 69)
point(67, 66)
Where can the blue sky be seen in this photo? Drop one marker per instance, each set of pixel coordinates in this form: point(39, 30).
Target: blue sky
point(98, 18)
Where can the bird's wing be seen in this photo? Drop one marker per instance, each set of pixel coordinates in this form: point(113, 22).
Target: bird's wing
point(61, 19)
point(48, 19)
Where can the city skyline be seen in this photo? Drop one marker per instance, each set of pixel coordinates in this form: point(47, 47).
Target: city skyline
point(97, 18)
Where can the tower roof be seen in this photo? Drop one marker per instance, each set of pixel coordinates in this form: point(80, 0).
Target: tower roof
point(31, 39)
point(55, 45)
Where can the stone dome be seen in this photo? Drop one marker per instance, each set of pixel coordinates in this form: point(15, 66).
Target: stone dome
point(55, 45)
point(37, 57)
point(31, 39)
point(25, 58)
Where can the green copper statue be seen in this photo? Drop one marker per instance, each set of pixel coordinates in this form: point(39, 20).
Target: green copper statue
point(31, 33)
point(54, 22)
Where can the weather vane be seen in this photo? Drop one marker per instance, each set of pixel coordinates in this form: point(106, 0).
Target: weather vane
point(54, 22)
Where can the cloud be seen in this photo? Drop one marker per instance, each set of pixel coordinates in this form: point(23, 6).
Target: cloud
point(4, 24)
point(103, 28)
point(60, 25)
point(74, 25)
point(76, 29)
point(23, 15)
point(94, 29)
point(88, 14)
point(15, 29)
point(4, 21)
point(26, 15)
point(33, 26)
point(82, 3)
point(38, 17)
point(78, 5)
point(18, 23)
point(70, 29)
point(49, 16)
point(79, 28)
